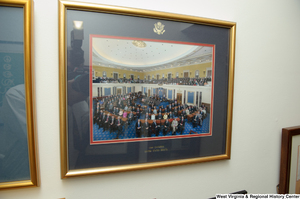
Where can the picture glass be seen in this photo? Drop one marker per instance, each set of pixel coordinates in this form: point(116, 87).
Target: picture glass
point(14, 159)
point(143, 90)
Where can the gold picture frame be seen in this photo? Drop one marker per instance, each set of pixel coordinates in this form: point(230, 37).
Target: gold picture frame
point(80, 153)
point(17, 50)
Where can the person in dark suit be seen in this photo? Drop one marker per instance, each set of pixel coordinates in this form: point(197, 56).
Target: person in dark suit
point(171, 115)
point(181, 107)
point(195, 121)
point(160, 110)
point(147, 116)
point(96, 115)
point(175, 112)
point(159, 117)
point(138, 128)
point(181, 125)
point(138, 113)
point(116, 111)
point(119, 127)
point(146, 132)
point(200, 118)
point(155, 128)
point(167, 109)
point(184, 113)
point(166, 127)
point(120, 104)
point(106, 122)
point(130, 117)
point(112, 124)
point(100, 119)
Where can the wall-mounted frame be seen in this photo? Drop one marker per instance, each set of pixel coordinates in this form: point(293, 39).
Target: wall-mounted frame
point(83, 27)
point(289, 181)
point(18, 161)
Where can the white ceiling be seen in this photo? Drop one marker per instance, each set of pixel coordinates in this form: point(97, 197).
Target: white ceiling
point(123, 54)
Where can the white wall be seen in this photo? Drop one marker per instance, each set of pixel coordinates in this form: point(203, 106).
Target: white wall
point(266, 99)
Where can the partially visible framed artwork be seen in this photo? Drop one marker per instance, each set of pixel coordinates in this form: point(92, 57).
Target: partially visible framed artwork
point(289, 181)
point(18, 161)
point(142, 89)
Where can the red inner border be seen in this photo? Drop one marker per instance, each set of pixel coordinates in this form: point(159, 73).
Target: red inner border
point(152, 138)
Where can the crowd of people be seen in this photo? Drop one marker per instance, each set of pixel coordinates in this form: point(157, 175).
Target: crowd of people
point(173, 81)
point(113, 112)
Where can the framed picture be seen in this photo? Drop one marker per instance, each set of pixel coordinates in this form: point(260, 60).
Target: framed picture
point(289, 181)
point(18, 164)
point(142, 89)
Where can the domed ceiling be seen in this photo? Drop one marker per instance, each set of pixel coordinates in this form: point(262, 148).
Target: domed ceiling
point(138, 55)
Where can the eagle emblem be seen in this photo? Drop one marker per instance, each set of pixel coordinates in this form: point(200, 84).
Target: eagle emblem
point(159, 28)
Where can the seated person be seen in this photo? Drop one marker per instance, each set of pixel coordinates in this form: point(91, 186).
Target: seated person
point(166, 127)
point(147, 116)
point(130, 117)
point(155, 111)
point(160, 110)
point(159, 117)
point(138, 113)
point(125, 114)
point(195, 121)
point(165, 116)
point(116, 111)
point(129, 108)
point(152, 116)
point(171, 115)
point(121, 113)
point(174, 126)
point(181, 125)
point(155, 128)
point(175, 112)
point(187, 111)
point(167, 109)
point(133, 108)
point(126, 108)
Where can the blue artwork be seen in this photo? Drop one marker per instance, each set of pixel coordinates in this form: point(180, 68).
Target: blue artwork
point(190, 97)
point(107, 91)
point(170, 94)
point(154, 91)
point(128, 89)
point(145, 90)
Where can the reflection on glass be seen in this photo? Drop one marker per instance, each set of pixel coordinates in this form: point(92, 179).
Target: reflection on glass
point(14, 160)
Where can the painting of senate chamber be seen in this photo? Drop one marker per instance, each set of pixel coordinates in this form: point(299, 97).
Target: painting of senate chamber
point(146, 89)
